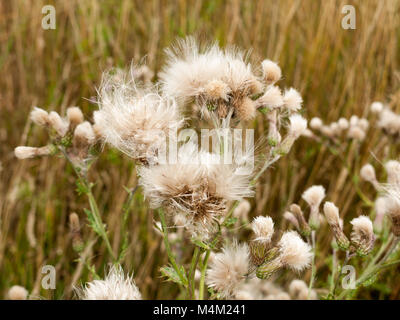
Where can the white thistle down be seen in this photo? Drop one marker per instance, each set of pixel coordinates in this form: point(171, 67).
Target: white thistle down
point(115, 286)
point(135, 120)
point(228, 269)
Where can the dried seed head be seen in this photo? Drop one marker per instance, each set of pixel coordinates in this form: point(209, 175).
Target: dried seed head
point(246, 109)
point(294, 252)
point(392, 209)
point(376, 107)
point(362, 236)
point(298, 125)
point(393, 172)
point(367, 173)
point(272, 98)
point(228, 269)
point(356, 133)
point(263, 228)
point(316, 123)
point(332, 216)
point(217, 89)
point(17, 293)
point(115, 286)
point(314, 195)
point(23, 152)
point(292, 100)
point(58, 124)
point(271, 71)
point(343, 124)
point(40, 116)
point(75, 116)
point(84, 135)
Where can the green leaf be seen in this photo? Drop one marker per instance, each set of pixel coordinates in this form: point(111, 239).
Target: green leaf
point(230, 222)
point(173, 276)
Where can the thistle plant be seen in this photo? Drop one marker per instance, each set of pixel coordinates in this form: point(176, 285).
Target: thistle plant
point(197, 193)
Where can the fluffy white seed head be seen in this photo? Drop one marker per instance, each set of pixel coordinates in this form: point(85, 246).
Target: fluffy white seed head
point(228, 269)
point(356, 133)
point(363, 124)
point(115, 286)
point(294, 252)
point(23, 152)
point(217, 89)
point(316, 123)
point(263, 228)
point(376, 107)
point(292, 100)
point(58, 124)
point(331, 213)
point(39, 116)
point(297, 287)
point(367, 173)
point(17, 293)
point(272, 98)
point(84, 134)
point(362, 235)
point(271, 71)
point(314, 195)
point(393, 171)
point(135, 120)
point(354, 120)
point(343, 123)
point(298, 125)
point(75, 115)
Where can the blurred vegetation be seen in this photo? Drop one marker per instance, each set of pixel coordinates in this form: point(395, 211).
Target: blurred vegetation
point(339, 73)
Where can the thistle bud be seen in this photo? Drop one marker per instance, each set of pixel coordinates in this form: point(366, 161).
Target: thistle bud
point(332, 216)
point(314, 196)
point(40, 116)
point(392, 209)
point(267, 269)
point(271, 71)
point(59, 125)
point(362, 236)
point(23, 152)
point(304, 228)
point(75, 116)
point(75, 229)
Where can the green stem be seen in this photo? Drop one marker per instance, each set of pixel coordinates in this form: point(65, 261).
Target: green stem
point(313, 269)
point(192, 272)
point(203, 275)
point(168, 247)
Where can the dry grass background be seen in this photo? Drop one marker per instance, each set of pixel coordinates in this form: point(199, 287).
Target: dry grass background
point(339, 72)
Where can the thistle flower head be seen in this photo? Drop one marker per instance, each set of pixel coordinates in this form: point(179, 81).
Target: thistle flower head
point(134, 120)
point(294, 252)
point(297, 126)
point(272, 98)
point(17, 293)
point(75, 116)
point(391, 203)
point(292, 100)
point(23, 152)
point(367, 173)
point(393, 172)
point(316, 123)
point(40, 117)
point(198, 186)
point(271, 71)
point(376, 107)
point(263, 228)
point(314, 195)
point(362, 236)
point(228, 269)
point(115, 286)
point(59, 125)
point(343, 124)
point(331, 213)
